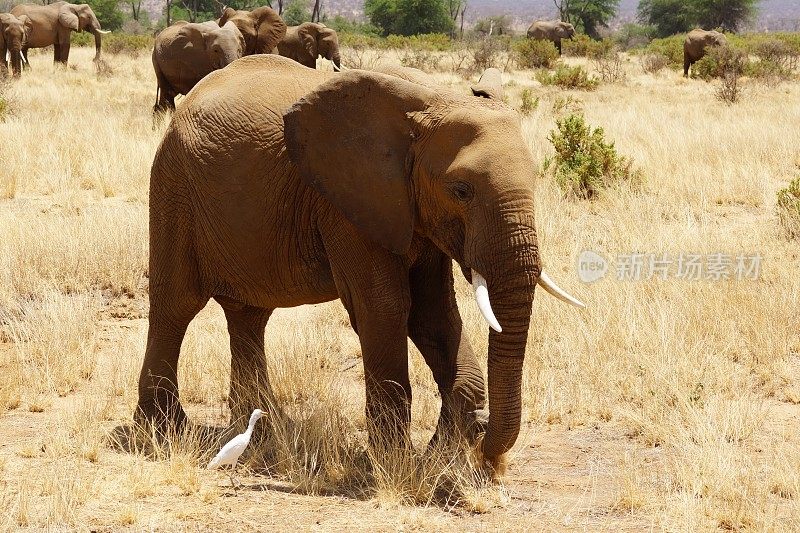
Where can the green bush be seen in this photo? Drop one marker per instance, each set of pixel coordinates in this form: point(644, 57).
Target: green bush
point(669, 47)
point(720, 61)
point(431, 42)
point(789, 208)
point(529, 103)
point(116, 43)
point(568, 78)
point(584, 163)
point(577, 46)
point(532, 53)
point(360, 40)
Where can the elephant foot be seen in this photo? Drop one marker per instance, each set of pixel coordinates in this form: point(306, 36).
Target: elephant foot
point(155, 418)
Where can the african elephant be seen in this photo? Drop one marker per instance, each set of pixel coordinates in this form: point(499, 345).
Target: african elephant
point(305, 42)
point(695, 45)
point(52, 25)
point(262, 28)
point(14, 33)
point(185, 52)
point(253, 206)
point(551, 30)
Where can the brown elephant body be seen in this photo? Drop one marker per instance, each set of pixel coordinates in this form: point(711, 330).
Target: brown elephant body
point(551, 30)
point(186, 52)
point(262, 28)
point(252, 205)
point(14, 34)
point(697, 43)
point(305, 42)
point(54, 23)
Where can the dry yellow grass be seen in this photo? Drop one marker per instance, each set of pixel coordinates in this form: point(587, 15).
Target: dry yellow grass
point(666, 404)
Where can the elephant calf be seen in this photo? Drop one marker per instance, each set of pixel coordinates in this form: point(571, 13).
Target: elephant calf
point(695, 46)
point(551, 30)
point(305, 42)
point(186, 52)
point(13, 36)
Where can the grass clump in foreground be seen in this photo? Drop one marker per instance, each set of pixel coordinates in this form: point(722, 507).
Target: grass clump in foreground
point(568, 78)
point(585, 163)
point(532, 53)
point(789, 208)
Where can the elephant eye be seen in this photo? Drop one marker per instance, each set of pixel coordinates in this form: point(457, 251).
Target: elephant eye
point(462, 191)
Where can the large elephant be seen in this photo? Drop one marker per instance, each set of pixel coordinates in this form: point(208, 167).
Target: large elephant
point(262, 28)
point(305, 42)
point(277, 185)
point(13, 36)
point(186, 52)
point(551, 30)
point(695, 45)
point(53, 24)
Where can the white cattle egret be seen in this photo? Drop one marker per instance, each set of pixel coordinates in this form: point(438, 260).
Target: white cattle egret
point(229, 454)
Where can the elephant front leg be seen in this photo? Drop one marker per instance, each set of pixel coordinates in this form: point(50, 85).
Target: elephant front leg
point(436, 329)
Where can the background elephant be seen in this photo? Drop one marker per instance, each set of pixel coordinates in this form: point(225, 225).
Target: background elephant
point(252, 205)
point(52, 25)
point(261, 28)
point(551, 30)
point(13, 35)
point(695, 45)
point(305, 42)
point(185, 52)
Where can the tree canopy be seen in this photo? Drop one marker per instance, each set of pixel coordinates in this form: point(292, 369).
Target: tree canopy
point(677, 16)
point(587, 15)
point(409, 17)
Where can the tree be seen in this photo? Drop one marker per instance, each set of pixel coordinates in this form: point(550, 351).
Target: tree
point(136, 8)
point(497, 25)
point(409, 17)
point(587, 15)
point(296, 13)
point(108, 13)
point(729, 15)
point(456, 10)
point(668, 16)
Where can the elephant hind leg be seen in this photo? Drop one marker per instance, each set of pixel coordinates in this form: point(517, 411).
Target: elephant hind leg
point(250, 388)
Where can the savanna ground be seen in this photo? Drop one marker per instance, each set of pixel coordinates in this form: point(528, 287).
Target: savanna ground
point(666, 404)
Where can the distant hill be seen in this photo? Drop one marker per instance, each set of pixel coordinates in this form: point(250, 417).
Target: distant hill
point(773, 14)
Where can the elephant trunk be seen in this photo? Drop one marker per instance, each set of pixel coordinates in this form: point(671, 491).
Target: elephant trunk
point(337, 60)
point(16, 62)
point(511, 269)
point(98, 33)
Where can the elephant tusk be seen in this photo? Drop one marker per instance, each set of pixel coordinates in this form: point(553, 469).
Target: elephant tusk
point(482, 297)
point(335, 68)
point(104, 31)
point(550, 286)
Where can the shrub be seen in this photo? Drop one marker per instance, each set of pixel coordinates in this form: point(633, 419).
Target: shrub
point(532, 53)
point(420, 59)
point(634, 35)
point(489, 53)
point(584, 163)
point(360, 54)
point(653, 63)
point(670, 47)
point(116, 43)
point(568, 78)
point(528, 103)
point(789, 208)
point(610, 67)
point(720, 61)
point(361, 40)
point(577, 46)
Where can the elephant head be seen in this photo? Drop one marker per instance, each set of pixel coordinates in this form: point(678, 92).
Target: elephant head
point(14, 33)
point(452, 169)
point(80, 17)
point(222, 46)
point(715, 38)
point(564, 30)
point(261, 28)
point(320, 40)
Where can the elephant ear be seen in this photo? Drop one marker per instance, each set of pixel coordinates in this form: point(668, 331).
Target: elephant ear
point(227, 14)
point(189, 36)
point(350, 140)
point(490, 85)
point(309, 40)
point(67, 18)
point(270, 29)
